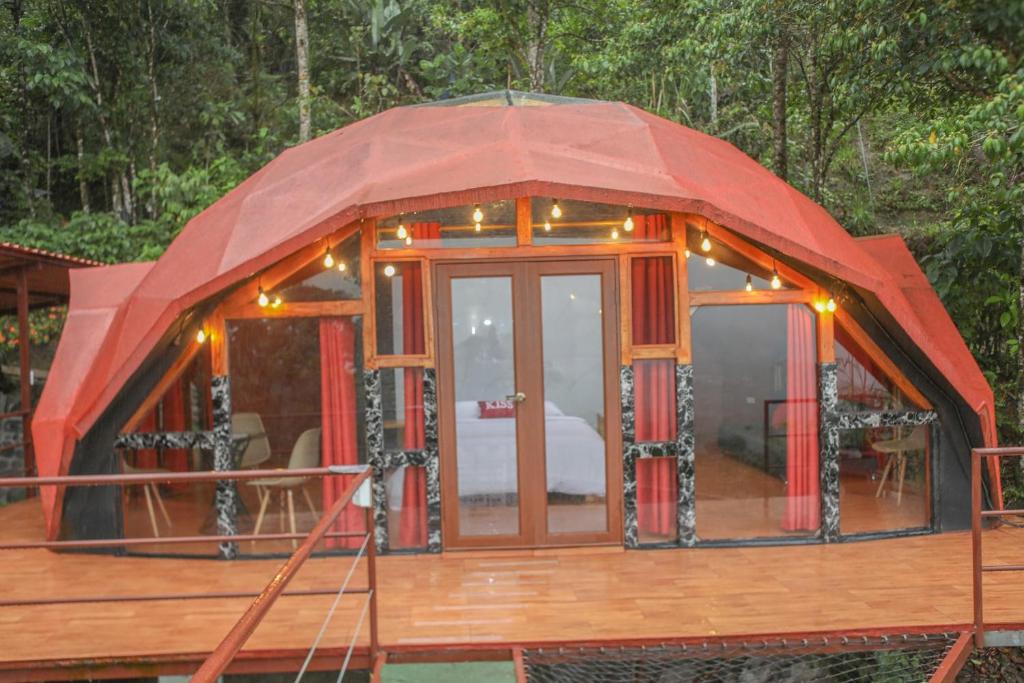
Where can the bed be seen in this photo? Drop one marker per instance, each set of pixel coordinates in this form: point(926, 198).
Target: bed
point(487, 457)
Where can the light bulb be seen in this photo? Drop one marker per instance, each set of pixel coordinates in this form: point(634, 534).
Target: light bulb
point(476, 228)
point(277, 301)
point(705, 243)
point(389, 270)
point(776, 282)
point(831, 305)
point(328, 259)
point(750, 284)
point(819, 306)
point(408, 240)
point(556, 210)
point(478, 215)
point(401, 233)
point(342, 267)
point(200, 336)
point(627, 224)
point(686, 253)
point(547, 226)
point(710, 261)
point(263, 300)
point(615, 234)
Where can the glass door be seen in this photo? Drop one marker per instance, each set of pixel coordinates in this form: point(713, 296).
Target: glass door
point(529, 407)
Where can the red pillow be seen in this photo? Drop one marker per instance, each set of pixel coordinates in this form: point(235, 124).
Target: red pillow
point(490, 409)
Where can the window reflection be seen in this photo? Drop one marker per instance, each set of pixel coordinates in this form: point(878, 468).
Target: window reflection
point(452, 227)
point(399, 303)
point(588, 223)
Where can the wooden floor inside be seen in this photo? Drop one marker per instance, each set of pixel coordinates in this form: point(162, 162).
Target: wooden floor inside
point(500, 598)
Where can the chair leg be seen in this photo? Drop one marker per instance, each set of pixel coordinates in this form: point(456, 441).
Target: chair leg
point(160, 504)
point(885, 475)
point(280, 511)
point(291, 517)
point(264, 499)
point(903, 473)
point(309, 502)
point(152, 513)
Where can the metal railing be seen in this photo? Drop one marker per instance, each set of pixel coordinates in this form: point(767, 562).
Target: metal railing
point(264, 599)
point(979, 569)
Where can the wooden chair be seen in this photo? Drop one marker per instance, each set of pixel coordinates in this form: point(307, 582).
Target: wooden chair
point(896, 451)
point(305, 454)
point(151, 492)
point(257, 451)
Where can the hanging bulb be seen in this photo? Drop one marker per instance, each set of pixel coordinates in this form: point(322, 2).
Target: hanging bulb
point(408, 240)
point(831, 305)
point(200, 336)
point(615, 234)
point(686, 253)
point(328, 259)
point(750, 284)
point(547, 226)
point(776, 281)
point(819, 306)
point(389, 270)
point(277, 301)
point(401, 233)
point(705, 242)
point(556, 210)
point(263, 300)
point(627, 225)
point(478, 215)
point(710, 261)
point(476, 228)
point(342, 267)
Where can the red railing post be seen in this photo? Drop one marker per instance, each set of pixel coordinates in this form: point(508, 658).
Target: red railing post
point(371, 571)
point(976, 566)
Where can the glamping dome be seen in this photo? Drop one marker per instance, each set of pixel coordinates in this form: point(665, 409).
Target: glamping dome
point(541, 320)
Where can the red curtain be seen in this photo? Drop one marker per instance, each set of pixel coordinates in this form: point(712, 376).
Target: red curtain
point(803, 509)
point(339, 440)
point(412, 531)
point(654, 381)
point(169, 415)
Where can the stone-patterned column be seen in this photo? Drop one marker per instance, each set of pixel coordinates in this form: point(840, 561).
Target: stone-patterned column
point(226, 497)
point(628, 407)
point(374, 421)
point(828, 464)
point(686, 514)
point(430, 444)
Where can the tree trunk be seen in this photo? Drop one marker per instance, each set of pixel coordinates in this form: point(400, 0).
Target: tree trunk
point(154, 119)
point(815, 103)
point(537, 20)
point(780, 75)
point(713, 94)
point(1020, 348)
point(83, 185)
point(302, 62)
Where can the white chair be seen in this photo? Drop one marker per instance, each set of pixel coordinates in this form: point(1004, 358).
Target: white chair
point(896, 457)
point(151, 492)
point(305, 454)
point(257, 451)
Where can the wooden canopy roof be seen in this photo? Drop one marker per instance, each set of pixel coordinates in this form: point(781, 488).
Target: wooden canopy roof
point(46, 274)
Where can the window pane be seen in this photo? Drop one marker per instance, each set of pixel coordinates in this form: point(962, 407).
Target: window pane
point(407, 507)
point(453, 227)
point(399, 301)
point(485, 424)
point(402, 390)
point(862, 384)
point(574, 403)
point(883, 479)
point(721, 269)
point(654, 389)
point(756, 421)
point(317, 282)
point(653, 298)
point(589, 223)
point(657, 493)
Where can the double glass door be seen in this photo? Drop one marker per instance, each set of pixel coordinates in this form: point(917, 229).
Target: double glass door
point(529, 404)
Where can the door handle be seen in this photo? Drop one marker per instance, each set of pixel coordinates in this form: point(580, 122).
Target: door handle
point(518, 397)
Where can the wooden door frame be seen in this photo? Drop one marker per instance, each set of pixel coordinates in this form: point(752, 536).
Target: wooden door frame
point(528, 342)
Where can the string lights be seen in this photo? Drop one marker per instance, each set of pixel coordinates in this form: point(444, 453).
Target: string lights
point(627, 224)
point(705, 241)
point(547, 226)
point(615, 234)
point(200, 336)
point(776, 280)
point(328, 259)
point(556, 210)
point(710, 261)
point(276, 302)
point(401, 233)
point(478, 215)
point(750, 283)
point(342, 267)
point(262, 299)
point(389, 270)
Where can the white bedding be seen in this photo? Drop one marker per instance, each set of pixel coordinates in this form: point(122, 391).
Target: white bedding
point(487, 455)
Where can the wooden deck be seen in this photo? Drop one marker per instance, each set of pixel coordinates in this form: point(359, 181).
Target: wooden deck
point(489, 600)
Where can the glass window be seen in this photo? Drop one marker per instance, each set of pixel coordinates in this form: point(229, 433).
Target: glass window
point(402, 399)
point(653, 300)
point(574, 403)
point(565, 221)
point(407, 507)
point(327, 279)
point(721, 269)
point(454, 227)
point(654, 390)
point(657, 493)
point(861, 383)
point(756, 421)
point(400, 307)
